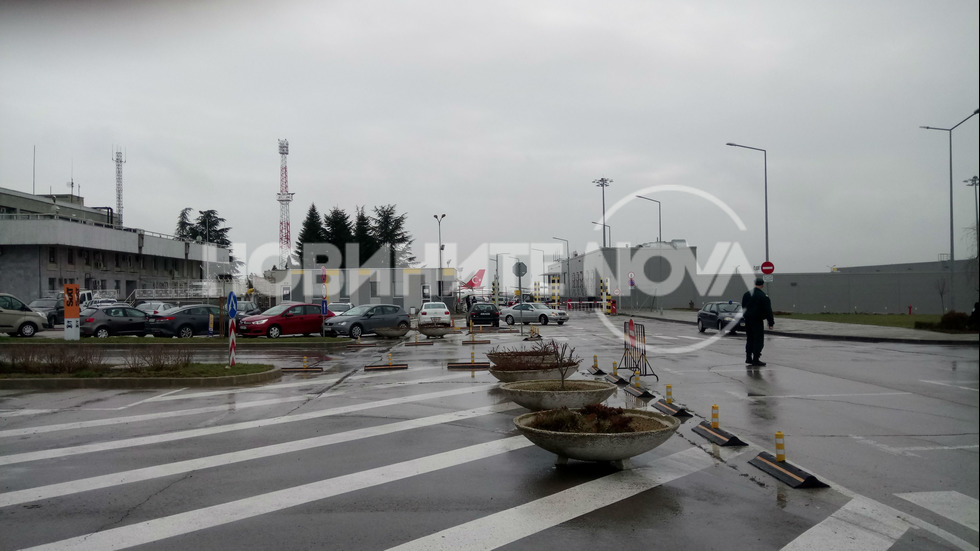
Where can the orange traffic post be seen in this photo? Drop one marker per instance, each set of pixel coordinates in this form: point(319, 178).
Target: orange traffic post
point(670, 395)
point(780, 447)
point(714, 416)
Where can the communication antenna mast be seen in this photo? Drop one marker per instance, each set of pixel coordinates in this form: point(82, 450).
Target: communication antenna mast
point(284, 198)
point(118, 158)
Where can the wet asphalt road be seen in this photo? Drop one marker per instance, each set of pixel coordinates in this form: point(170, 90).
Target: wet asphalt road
point(427, 458)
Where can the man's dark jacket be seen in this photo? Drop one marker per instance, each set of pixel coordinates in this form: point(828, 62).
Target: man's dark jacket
point(757, 307)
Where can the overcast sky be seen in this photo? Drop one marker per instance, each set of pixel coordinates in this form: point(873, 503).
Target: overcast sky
point(501, 115)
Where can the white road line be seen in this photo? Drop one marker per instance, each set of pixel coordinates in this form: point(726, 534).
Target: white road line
point(137, 475)
point(499, 529)
point(28, 431)
point(952, 505)
point(195, 433)
point(19, 412)
point(665, 337)
point(908, 450)
point(217, 515)
point(690, 338)
point(952, 385)
point(860, 525)
point(855, 395)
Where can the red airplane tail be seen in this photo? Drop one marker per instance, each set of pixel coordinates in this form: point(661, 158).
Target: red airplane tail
point(475, 281)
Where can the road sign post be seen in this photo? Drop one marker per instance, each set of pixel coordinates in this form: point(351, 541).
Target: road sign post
point(232, 313)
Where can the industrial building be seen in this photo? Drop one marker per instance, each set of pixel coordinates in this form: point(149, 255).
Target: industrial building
point(47, 241)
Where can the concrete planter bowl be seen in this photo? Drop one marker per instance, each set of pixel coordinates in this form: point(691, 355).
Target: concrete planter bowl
point(617, 448)
point(512, 375)
point(549, 394)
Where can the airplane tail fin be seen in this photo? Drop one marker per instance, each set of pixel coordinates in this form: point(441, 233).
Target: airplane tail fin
point(475, 281)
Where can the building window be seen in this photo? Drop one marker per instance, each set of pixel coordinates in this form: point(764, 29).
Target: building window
point(86, 257)
point(71, 256)
point(52, 282)
point(52, 254)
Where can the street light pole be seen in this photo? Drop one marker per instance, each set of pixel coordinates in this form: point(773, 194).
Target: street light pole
point(605, 227)
point(660, 218)
point(564, 282)
point(765, 184)
point(604, 183)
point(972, 182)
point(952, 257)
point(439, 218)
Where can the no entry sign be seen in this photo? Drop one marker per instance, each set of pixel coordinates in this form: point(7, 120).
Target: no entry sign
point(768, 267)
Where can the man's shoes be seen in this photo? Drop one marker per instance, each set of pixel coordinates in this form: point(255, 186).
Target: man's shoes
point(758, 363)
point(749, 361)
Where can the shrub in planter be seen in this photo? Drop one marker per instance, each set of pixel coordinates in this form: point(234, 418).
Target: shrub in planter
point(954, 321)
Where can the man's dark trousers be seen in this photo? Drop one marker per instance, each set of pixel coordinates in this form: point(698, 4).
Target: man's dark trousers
point(754, 339)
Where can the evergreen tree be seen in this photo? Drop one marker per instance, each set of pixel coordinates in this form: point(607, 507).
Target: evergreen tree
point(208, 228)
point(388, 229)
point(311, 232)
point(338, 231)
point(184, 224)
point(364, 237)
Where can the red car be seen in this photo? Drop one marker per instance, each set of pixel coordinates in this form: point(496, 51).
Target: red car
point(284, 319)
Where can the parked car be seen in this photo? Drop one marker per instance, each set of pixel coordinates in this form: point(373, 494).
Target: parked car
point(155, 307)
point(339, 307)
point(531, 312)
point(483, 313)
point(17, 318)
point(246, 308)
point(52, 309)
point(435, 313)
point(184, 321)
point(107, 321)
point(717, 315)
point(364, 319)
point(284, 319)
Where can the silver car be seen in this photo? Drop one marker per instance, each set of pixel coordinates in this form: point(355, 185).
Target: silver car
point(533, 312)
point(364, 319)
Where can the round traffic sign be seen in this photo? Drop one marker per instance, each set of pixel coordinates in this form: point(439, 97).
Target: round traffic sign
point(520, 269)
point(768, 267)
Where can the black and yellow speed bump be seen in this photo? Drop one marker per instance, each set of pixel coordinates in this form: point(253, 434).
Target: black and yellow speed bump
point(718, 436)
point(784, 472)
point(671, 409)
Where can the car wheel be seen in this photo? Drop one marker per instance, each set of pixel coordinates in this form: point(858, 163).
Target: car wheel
point(102, 332)
point(27, 330)
point(403, 325)
point(700, 326)
point(543, 319)
point(185, 332)
point(51, 321)
point(356, 331)
point(561, 323)
point(509, 320)
point(496, 324)
point(275, 332)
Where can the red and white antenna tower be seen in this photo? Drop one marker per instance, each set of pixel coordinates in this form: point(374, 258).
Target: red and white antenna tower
point(284, 198)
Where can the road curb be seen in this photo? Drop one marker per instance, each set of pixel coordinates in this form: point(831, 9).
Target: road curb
point(838, 337)
point(141, 382)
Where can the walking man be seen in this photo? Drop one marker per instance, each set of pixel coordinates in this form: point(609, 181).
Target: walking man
point(756, 308)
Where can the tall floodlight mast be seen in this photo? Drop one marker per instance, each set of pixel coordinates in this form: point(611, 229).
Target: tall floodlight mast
point(284, 198)
point(118, 158)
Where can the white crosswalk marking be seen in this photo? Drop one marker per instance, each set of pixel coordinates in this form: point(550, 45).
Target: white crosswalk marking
point(208, 517)
point(508, 526)
point(952, 505)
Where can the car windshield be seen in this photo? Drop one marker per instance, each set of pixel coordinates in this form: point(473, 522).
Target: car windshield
point(539, 306)
point(357, 310)
point(43, 303)
point(729, 307)
point(434, 306)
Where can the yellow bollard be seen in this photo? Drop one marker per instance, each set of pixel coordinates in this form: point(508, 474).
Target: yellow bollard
point(614, 369)
point(670, 395)
point(472, 357)
point(714, 416)
point(780, 447)
point(595, 361)
point(304, 362)
point(636, 378)
point(389, 358)
point(358, 339)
